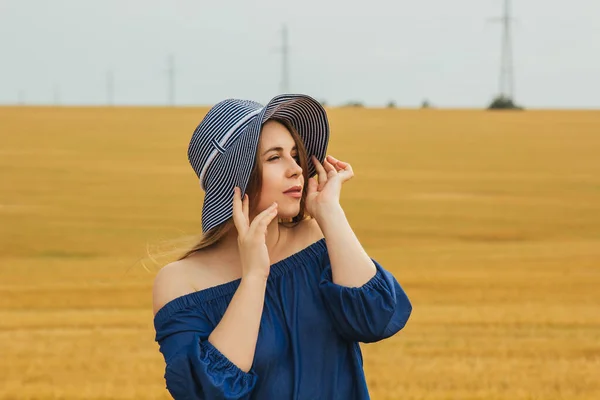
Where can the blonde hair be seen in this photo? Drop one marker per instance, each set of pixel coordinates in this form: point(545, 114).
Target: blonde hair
point(253, 190)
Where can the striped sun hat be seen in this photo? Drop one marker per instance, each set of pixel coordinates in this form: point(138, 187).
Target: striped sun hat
point(223, 146)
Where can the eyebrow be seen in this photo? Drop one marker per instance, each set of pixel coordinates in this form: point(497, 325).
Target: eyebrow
point(278, 149)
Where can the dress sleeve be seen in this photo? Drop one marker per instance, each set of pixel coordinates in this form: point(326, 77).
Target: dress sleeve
point(195, 369)
point(372, 312)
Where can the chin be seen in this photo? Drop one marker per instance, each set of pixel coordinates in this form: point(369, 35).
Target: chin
point(289, 213)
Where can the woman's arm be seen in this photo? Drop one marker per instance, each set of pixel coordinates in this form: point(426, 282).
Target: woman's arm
point(351, 266)
point(196, 368)
point(236, 334)
point(364, 300)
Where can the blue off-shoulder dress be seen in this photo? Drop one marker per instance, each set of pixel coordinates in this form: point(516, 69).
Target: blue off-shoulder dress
point(307, 345)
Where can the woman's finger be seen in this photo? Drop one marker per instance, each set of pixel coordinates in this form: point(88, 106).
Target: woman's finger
point(347, 173)
point(339, 165)
point(267, 218)
point(262, 220)
point(321, 171)
point(246, 208)
point(238, 218)
point(330, 169)
point(312, 186)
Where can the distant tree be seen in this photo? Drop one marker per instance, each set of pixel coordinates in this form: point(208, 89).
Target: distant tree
point(391, 104)
point(323, 103)
point(425, 104)
point(501, 102)
point(354, 104)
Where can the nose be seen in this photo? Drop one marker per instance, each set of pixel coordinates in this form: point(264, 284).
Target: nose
point(295, 169)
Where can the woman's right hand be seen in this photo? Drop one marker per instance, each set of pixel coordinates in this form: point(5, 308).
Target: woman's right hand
point(254, 255)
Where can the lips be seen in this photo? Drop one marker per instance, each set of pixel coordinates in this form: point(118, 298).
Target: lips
point(294, 189)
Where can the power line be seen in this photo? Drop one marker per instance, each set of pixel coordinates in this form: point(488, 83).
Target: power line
point(506, 81)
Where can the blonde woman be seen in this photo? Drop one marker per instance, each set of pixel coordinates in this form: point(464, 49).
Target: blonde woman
point(275, 299)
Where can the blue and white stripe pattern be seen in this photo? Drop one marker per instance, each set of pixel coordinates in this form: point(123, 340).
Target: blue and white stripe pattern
point(223, 146)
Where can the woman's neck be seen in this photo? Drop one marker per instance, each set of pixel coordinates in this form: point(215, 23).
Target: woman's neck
point(275, 239)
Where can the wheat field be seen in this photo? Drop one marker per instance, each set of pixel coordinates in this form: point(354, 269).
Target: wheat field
point(489, 220)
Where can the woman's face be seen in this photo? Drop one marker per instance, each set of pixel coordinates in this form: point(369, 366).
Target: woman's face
point(280, 170)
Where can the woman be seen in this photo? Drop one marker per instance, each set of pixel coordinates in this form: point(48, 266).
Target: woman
point(274, 300)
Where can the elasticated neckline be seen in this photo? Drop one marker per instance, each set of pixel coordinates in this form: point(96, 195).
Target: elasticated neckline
point(298, 259)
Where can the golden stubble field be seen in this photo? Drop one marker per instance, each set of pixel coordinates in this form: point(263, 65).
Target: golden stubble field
point(490, 221)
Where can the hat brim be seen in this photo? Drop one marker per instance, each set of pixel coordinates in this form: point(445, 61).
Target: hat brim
point(233, 168)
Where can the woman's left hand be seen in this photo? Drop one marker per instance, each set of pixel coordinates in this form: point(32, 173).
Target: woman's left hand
point(325, 193)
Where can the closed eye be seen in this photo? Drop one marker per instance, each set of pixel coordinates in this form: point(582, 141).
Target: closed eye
point(296, 157)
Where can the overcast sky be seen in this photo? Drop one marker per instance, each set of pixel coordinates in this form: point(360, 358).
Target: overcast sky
point(340, 50)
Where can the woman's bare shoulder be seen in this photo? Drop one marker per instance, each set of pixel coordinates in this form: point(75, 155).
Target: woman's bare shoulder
point(169, 283)
point(182, 277)
point(208, 268)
